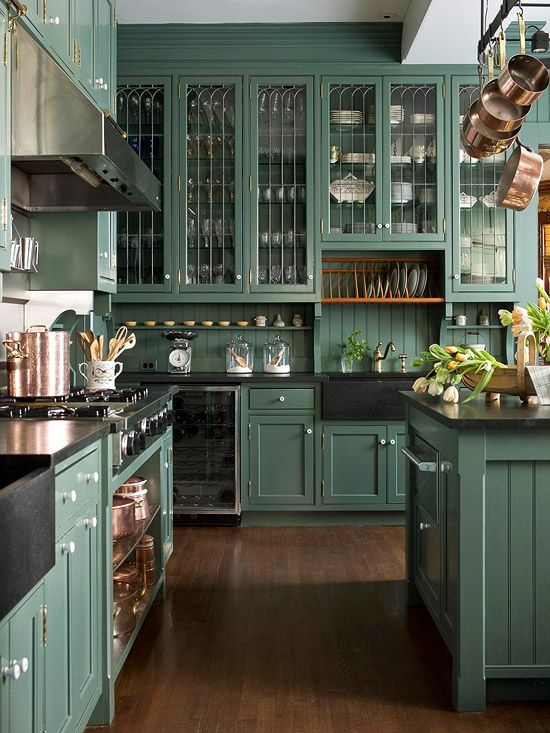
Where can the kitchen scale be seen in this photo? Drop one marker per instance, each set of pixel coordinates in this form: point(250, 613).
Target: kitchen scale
point(179, 358)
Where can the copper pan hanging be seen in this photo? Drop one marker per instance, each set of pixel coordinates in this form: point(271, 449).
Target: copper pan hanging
point(482, 138)
point(519, 179)
point(497, 111)
point(523, 79)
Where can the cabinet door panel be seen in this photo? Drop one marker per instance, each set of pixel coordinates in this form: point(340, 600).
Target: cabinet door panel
point(211, 199)
point(84, 596)
point(57, 29)
point(26, 693)
point(83, 29)
point(281, 460)
point(5, 146)
point(352, 141)
point(396, 465)
point(483, 252)
point(354, 465)
point(59, 704)
point(282, 185)
point(103, 53)
point(428, 558)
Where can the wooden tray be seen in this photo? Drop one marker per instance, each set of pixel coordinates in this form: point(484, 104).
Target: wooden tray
point(511, 380)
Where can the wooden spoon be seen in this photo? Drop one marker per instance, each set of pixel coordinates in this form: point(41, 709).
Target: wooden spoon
point(129, 343)
point(100, 347)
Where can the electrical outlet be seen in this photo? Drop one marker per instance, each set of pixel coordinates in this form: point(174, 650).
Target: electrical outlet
point(149, 366)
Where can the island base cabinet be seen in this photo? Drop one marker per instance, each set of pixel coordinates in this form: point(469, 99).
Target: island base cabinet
point(281, 460)
point(22, 644)
point(72, 654)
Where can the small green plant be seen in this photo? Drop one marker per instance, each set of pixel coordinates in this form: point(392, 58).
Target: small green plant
point(353, 350)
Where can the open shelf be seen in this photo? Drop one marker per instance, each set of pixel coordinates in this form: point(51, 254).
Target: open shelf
point(125, 545)
point(473, 327)
point(179, 327)
point(123, 644)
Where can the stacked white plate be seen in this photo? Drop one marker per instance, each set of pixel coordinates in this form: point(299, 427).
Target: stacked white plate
point(401, 192)
point(422, 119)
point(404, 227)
point(401, 159)
point(467, 201)
point(346, 117)
point(368, 158)
point(371, 115)
point(397, 114)
point(360, 227)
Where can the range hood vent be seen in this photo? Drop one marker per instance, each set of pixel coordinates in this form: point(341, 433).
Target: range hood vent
point(68, 155)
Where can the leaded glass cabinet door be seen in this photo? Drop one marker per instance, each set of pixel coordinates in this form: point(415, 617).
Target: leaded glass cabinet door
point(143, 237)
point(211, 184)
point(483, 233)
point(352, 174)
point(413, 146)
point(281, 185)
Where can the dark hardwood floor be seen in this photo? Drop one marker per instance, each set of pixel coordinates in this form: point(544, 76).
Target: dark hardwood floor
point(295, 630)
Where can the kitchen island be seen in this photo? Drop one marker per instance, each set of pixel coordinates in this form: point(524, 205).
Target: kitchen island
point(478, 545)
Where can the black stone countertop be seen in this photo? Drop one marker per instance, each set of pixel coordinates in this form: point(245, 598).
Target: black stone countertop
point(509, 414)
point(218, 378)
point(55, 440)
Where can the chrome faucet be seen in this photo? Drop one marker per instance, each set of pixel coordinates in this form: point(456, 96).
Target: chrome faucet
point(379, 358)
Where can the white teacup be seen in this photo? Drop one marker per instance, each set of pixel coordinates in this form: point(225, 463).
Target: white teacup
point(100, 374)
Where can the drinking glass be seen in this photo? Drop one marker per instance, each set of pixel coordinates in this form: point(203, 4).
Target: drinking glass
point(262, 274)
point(275, 274)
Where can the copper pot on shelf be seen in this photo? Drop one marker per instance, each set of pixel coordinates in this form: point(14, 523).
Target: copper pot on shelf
point(124, 519)
point(523, 79)
point(125, 608)
point(520, 179)
point(38, 362)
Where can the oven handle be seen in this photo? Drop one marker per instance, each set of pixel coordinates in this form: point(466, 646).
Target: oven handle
point(426, 466)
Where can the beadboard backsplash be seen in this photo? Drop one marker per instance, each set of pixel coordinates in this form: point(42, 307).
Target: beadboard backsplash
point(411, 328)
point(209, 346)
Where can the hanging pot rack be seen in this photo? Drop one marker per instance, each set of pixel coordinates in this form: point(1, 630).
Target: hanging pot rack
point(494, 32)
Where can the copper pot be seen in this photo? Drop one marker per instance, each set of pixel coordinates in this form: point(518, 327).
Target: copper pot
point(483, 137)
point(523, 79)
point(125, 608)
point(127, 573)
point(499, 112)
point(141, 503)
point(124, 520)
point(519, 179)
point(38, 362)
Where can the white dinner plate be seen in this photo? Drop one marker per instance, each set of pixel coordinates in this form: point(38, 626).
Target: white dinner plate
point(394, 280)
point(412, 280)
point(422, 279)
point(402, 279)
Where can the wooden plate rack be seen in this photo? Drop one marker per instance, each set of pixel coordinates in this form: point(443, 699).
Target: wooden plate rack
point(369, 280)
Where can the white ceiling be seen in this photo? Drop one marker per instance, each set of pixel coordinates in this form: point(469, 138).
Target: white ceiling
point(260, 11)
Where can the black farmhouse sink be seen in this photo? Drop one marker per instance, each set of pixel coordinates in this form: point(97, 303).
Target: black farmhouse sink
point(365, 396)
point(27, 526)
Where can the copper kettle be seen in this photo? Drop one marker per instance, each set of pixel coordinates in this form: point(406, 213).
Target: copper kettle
point(38, 362)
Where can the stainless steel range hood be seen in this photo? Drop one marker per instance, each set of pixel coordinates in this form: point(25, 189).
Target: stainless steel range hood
point(67, 155)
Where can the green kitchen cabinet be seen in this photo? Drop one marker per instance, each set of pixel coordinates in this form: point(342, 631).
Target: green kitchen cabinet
point(83, 29)
point(382, 160)
point(281, 201)
point(210, 199)
point(354, 464)
point(58, 31)
point(362, 465)
point(483, 251)
point(281, 460)
point(144, 239)
point(5, 144)
point(22, 648)
point(77, 251)
point(167, 496)
point(104, 79)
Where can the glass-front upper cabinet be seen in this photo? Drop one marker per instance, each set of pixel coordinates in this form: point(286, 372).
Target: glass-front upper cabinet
point(211, 188)
point(281, 185)
point(143, 237)
point(413, 146)
point(483, 233)
point(352, 175)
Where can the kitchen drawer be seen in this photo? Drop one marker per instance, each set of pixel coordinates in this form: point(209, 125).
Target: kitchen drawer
point(76, 485)
point(282, 399)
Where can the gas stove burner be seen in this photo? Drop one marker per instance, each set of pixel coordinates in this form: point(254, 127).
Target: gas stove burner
point(5, 400)
point(10, 410)
point(51, 412)
point(43, 400)
point(93, 411)
point(83, 396)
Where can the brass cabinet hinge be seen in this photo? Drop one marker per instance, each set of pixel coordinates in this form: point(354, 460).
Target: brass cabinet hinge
point(44, 612)
point(114, 18)
point(322, 225)
point(170, 454)
point(4, 214)
point(322, 441)
point(250, 183)
point(114, 103)
point(249, 431)
point(179, 183)
point(444, 225)
point(321, 89)
point(44, 10)
point(5, 54)
point(179, 91)
point(444, 89)
point(179, 276)
point(322, 487)
point(250, 90)
point(514, 275)
point(250, 277)
point(250, 489)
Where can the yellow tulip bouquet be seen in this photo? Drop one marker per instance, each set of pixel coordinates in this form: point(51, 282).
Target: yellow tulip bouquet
point(535, 318)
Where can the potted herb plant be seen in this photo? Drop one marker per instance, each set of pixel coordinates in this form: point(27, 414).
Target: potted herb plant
point(354, 349)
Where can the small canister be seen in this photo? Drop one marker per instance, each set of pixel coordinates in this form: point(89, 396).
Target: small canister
point(277, 356)
point(461, 320)
point(239, 356)
point(483, 317)
point(145, 560)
